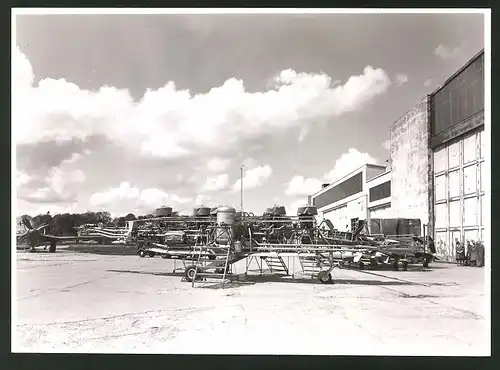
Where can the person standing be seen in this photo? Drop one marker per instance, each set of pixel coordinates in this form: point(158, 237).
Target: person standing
point(460, 252)
point(468, 253)
point(474, 254)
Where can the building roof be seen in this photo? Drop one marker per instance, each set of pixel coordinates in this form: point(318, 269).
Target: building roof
point(460, 70)
point(345, 177)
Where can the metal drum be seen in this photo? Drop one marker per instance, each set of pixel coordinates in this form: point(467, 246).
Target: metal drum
point(306, 213)
point(226, 217)
point(279, 211)
point(307, 210)
point(202, 212)
point(163, 212)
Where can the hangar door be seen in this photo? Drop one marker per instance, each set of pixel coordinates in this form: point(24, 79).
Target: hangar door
point(459, 193)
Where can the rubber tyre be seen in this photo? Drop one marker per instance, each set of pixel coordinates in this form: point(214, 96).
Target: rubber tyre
point(326, 279)
point(361, 265)
point(212, 257)
point(142, 253)
point(405, 266)
point(221, 270)
point(151, 254)
point(52, 248)
point(189, 273)
point(395, 266)
point(426, 263)
point(165, 256)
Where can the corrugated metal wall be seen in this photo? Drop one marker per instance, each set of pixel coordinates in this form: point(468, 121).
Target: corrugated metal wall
point(458, 193)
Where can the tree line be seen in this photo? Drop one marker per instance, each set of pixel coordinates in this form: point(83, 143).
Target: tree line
point(66, 223)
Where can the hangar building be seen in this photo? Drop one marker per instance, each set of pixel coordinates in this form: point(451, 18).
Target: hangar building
point(436, 171)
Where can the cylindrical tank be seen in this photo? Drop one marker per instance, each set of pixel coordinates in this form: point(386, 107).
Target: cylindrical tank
point(279, 211)
point(202, 211)
point(226, 217)
point(307, 213)
point(267, 213)
point(163, 212)
point(307, 210)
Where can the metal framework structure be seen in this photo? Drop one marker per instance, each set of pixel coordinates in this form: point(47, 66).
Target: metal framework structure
point(212, 248)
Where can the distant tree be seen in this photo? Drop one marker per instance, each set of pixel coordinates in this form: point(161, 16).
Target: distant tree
point(104, 217)
point(130, 217)
point(64, 224)
point(119, 222)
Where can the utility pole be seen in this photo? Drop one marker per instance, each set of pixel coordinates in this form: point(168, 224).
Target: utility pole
point(241, 192)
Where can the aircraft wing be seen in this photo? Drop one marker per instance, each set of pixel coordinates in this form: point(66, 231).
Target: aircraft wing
point(61, 238)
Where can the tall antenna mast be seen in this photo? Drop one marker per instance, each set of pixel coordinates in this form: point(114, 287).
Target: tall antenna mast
point(241, 192)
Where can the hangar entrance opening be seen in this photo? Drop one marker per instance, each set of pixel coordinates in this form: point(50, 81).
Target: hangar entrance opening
point(459, 169)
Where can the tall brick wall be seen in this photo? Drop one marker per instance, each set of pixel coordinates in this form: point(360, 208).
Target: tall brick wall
point(410, 164)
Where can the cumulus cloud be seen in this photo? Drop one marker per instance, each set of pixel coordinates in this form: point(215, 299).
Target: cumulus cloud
point(22, 178)
point(200, 198)
point(429, 82)
point(215, 183)
point(40, 194)
point(345, 164)
point(169, 122)
point(217, 164)
point(401, 79)
point(254, 177)
point(299, 185)
point(43, 207)
point(124, 192)
point(60, 179)
point(181, 200)
point(59, 186)
point(446, 52)
point(349, 162)
point(291, 209)
point(150, 197)
point(43, 155)
point(128, 198)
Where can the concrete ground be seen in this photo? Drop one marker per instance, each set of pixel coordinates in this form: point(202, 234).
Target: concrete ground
point(74, 302)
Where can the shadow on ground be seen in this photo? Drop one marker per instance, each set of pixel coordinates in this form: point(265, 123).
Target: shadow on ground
point(253, 279)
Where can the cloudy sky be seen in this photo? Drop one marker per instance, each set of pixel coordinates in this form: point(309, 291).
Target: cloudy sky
point(126, 113)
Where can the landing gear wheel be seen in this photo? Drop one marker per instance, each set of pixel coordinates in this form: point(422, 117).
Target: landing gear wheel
point(426, 263)
point(361, 266)
point(189, 273)
point(151, 254)
point(52, 248)
point(142, 253)
point(395, 266)
point(221, 270)
point(212, 256)
point(325, 278)
point(405, 266)
point(165, 256)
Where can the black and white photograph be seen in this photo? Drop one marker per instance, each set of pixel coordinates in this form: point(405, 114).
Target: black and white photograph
point(251, 181)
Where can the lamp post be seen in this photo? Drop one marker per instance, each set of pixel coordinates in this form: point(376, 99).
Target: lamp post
point(241, 191)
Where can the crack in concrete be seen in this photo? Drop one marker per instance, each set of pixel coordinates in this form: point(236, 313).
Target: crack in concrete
point(106, 318)
point(468, 313)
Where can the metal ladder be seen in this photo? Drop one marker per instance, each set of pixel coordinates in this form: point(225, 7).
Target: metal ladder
point(310, 263)
point(202, 264)
point(276, 264)
point(201, 273)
